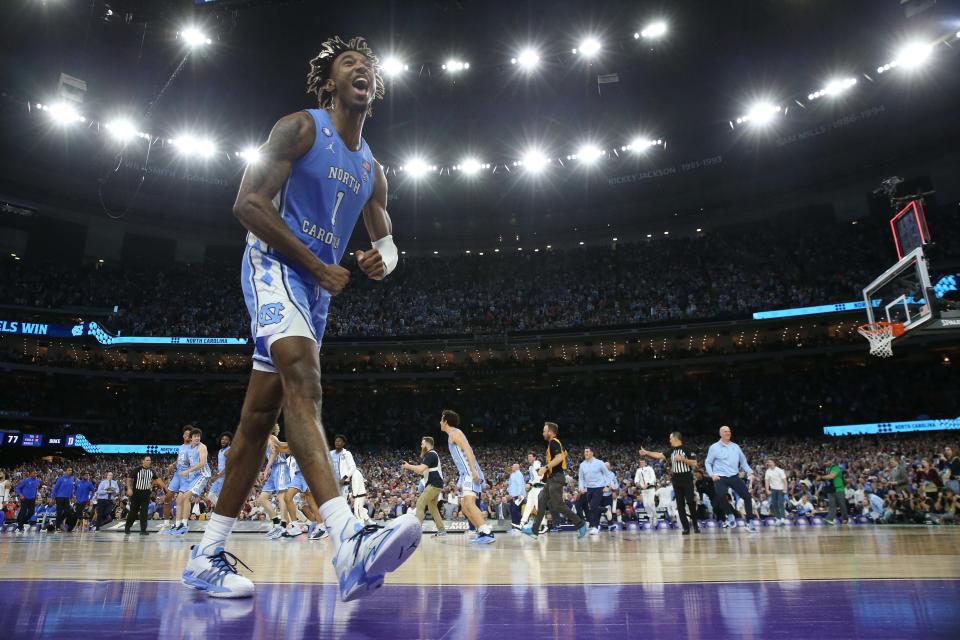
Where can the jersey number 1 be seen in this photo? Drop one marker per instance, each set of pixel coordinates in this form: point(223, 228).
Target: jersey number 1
point(336, 207)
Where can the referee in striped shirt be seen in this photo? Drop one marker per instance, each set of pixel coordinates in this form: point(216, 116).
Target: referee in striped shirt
point(682, 463)
point(140, 482)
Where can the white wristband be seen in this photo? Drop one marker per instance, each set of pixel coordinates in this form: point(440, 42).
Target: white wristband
point(388, 251)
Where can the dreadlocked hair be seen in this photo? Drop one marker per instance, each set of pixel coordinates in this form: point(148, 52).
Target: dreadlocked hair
point(321, 66)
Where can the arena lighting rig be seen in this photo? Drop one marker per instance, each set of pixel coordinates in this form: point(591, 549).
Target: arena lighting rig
point(123, 129)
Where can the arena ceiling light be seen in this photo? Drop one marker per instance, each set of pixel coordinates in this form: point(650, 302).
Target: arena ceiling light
point(194, 37)
point(527, 59)
point(653, 30)
point(588, 154)
point(190, 145)
point(393, 66)
point(640, 144)
point(63, 113)
point(471, 166)
point(589, 47)
point(417, 167)
point(834, 88)
point(533, 161)
point(910, 56)
point(250, 155)
point(122, 130)
point(760, 113)
point(454, 66)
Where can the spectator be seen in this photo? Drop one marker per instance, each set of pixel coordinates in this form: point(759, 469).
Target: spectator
point(775, 483)
point(950, 469)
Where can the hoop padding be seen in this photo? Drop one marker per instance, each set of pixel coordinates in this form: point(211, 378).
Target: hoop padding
point(881, 335)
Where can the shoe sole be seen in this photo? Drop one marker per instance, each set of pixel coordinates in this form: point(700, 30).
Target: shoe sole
point(392, 552)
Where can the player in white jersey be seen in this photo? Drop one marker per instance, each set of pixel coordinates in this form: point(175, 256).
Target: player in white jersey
point(5, 488)
point(216, 482)
point(343, 463)
point(646, 480)
point(358, 489)
point(535, 484)
point(471, 479)
point(300, 202)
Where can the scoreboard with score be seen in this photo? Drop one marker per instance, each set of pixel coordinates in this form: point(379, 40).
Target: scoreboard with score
point(12, 439)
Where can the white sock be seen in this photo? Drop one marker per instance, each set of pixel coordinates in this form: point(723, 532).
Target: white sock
point(216, 534)
point(338, 519)
point(484, 529)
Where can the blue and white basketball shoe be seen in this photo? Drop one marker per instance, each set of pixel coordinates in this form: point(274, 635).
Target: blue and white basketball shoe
point(216, 575)
point(368, 553)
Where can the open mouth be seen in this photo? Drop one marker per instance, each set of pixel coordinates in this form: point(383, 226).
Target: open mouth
point(361, 84)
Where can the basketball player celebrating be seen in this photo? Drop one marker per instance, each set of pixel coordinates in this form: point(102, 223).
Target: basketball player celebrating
point(193, 480)
point(216, 482)
point(309, 507)
point(471, 478)
point(173, 488)
point(300, 203)
point(276, 481)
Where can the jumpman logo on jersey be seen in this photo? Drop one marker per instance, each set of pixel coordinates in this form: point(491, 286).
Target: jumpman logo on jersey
point(330, 148)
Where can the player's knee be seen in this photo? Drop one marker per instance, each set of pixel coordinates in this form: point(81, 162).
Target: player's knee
point(301, 380)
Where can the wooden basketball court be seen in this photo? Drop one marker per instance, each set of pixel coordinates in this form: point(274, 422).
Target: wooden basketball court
point(860, 581)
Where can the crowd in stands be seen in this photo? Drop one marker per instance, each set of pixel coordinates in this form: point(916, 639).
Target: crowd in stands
point(724, 274)
point(887, 479)
point(759, 400)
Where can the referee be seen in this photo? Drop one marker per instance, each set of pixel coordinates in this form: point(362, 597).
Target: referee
point(682, 464)
point(140, 483)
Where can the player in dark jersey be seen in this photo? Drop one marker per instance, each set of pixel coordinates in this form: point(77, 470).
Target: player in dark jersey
point(299, 205)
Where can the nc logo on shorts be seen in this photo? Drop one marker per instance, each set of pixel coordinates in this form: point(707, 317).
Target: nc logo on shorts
point(270, 314)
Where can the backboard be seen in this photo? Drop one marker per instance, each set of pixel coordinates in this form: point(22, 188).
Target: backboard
point(902, 293)
point(906, 294)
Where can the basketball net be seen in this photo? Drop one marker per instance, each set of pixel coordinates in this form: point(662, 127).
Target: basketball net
point(881, 335)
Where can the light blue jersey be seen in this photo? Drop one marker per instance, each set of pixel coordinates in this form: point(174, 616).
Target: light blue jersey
point(178, 482)
point(217, 485)
point(320, 202)
point(222, 460)
point(193, 457)
point(279, 478)
point(466, 483)
point(183, 457)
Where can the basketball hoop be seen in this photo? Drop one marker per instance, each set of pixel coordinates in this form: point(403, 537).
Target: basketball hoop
point(881, 335)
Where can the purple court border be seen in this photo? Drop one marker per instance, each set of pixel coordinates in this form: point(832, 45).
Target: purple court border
point(802, 609)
